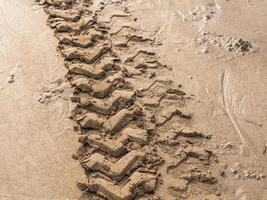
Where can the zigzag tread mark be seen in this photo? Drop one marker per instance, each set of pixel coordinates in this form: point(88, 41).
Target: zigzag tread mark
point(86, 70)
point(119, 99)
point(69, 26)
point(139, 52)
point(120, 120)
point(97, 70)
point(118, 170)
point(111, 125)
point(68, 15)
point(91, 121)
point(138, 185)
point(104, 88)
point(88, 56)
point(81, 83)
point(83, 40)
point(118, 147)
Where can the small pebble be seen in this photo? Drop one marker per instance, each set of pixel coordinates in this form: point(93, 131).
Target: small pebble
point(11, 79)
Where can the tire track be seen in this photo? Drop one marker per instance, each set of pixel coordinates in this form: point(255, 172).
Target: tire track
point(130, 133)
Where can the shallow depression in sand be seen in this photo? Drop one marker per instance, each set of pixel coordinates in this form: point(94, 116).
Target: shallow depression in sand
point(246, 105)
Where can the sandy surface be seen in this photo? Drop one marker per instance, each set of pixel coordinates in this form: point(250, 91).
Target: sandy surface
point(229, 88)
point(119, 55)
point(36, 139)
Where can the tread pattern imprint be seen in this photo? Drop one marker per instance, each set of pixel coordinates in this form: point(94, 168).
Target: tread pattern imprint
point(136, 140)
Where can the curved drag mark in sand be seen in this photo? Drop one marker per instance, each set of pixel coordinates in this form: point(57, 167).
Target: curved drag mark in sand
point(227, 101)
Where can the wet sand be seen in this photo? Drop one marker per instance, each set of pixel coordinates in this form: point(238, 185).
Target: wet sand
point(228, 88)
point(119, 55)
point(37, 140)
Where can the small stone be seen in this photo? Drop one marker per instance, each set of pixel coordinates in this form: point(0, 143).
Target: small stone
point(204, 33)
point(75, 157)
point(11, 79)
point(234, 171)
point(262, 176)
point(206, 17)
point(222, 173)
